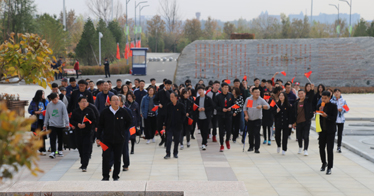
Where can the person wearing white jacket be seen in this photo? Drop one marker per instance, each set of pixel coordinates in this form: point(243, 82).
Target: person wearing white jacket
point(340, 103)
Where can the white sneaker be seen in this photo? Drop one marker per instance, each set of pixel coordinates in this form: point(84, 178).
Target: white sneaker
point(305, 153)
point(182, 147)
point(52, 155)
point(272, 138)
point(300, 150)
point(43, 153)
point(203, 147)
point(278, 149)
point(60, 154)
point(148, 141)
point(283, 152)
point(153, 140)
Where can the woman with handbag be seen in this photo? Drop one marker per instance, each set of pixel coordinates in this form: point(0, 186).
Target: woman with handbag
point(36, 107)
point(150, 116)
point(134, 107)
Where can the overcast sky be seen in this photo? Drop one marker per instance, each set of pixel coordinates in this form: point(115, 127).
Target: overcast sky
point(225, 10)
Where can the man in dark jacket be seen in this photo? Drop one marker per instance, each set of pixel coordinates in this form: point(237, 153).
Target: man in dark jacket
point(81, 92)
point(212, 94)
point(72, 87)
point(303, 115)
point(83, 119)
point(113, 128)
point(101, 98)
point(99, 89)
point(204, 113)
point(106, 66)
point(223, 103)
point(327, 136)
point(175, 115)
point(162, 98)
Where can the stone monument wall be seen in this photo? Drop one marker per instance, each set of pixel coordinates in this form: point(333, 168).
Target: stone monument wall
point(343, 62)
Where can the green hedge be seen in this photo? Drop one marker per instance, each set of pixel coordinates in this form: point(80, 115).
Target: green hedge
point(99, 70)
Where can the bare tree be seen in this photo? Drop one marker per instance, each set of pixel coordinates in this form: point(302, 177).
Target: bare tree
point(103, 9)
point(172, 17)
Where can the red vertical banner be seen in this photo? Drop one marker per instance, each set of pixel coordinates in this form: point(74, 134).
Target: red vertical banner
point(204, 60)
point(201, 58)
point(195, 60)
point(218, 61)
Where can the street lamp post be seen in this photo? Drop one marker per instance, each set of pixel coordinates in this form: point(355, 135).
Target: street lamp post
point(64, 15)
point(338, 28)
point(100, 36)
point(140, 19)
point(311, 14)
point(350, 15)
point(136, 5)
point(127, 29)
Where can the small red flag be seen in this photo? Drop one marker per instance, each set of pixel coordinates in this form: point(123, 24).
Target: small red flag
point(118, 56)
point(307, 75)
point(245, 78)
point(266, 97)
point(195, 107)
point(34, 133)
point(44, 112)
point(235, 106)
point(70, 115)
point(70, 125)
point(162, 132)
point(293, 79)
point(107, 99)
point(94, 98)
point(346, 107)
point(323, 104)
point(319, 112)
point(132, 130)
point(272, 104)
point(190, 121)
point(284, 73)
point(156, 133)
point(227, 81)
point(103, 146)
point(85, 119)
point(194, 98)
point(154, 109)
point(249, 103)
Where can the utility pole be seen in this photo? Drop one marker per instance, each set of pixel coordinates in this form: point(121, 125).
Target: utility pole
point(100, 36)
point(127, 30)
point(338, 27)
point(350, 15)
point(136, 5)
point(64, 15)
point(311, 14)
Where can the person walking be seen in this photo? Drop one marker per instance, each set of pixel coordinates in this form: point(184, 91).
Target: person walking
point(106, 67)
point(223, 103)
point(81, 92)
point(303, 112)
point(134, 107)
point(72, 87)
point(162, 98)
point(56, 118)
point(76, 67)
point(212, 94)
point(150, 116)
point(175, 115)
point(102, 98)
point(237, 113)
point(83, 119)
point(338, 100)
point(283, 122)
point(36, 107)
point(267, 120)
point(113, 128)
point(184, 98)
point(327, 135)
point(203, 114)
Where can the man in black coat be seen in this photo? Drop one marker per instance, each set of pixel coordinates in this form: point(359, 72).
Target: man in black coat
point(113, 127)
point(175, 115)
point(327, 136)
point(204, 113)
point(81, 92)
point(162, 99)
point(83, 119)
point(106, 66)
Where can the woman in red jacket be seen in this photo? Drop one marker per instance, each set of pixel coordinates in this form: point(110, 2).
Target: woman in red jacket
point(76, 67)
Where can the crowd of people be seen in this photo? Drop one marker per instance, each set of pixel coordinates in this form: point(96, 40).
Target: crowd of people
point(232, 110)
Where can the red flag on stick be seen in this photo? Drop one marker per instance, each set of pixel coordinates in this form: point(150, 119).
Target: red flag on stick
point(34, 133)
point(194, 98)
point(307, 75)
point(118, 56)
point(162, 132)
point(346, 107)
point(190, 121)
point(266, 97)
point(44, 112)
point(94, 98)
point(132, 130)
point(103, 146)
point(70, 125)
point(235, 106)
point(284, 73)
point(249, 103)
point(195, 107)
point(227, 81)
point(107, 99)
point(293, 79)
point(245, 78)
point(272, 104)
point(154, 109)
point(85, 119)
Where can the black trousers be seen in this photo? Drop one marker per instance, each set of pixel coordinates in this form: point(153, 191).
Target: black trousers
point(76, 72)
point(84, 148)
point(160, 124)
point(236, 126)
point(225, 126)
point(284, 132)
point(116, 149)
point(254, 127)
point(204, 130)
point(214, 124)
point(172, 134)
point(185, 132)
point(150, 127)
point(326, 139)
point(40, 126)
point(302, 133)
point(107, 73)
point(56, 132)
point(340, 133)
point(125, 153)
point(267, 132)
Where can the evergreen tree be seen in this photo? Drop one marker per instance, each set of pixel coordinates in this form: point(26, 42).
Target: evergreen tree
point(108, 42)
point(361, 29)
point(88, 44)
